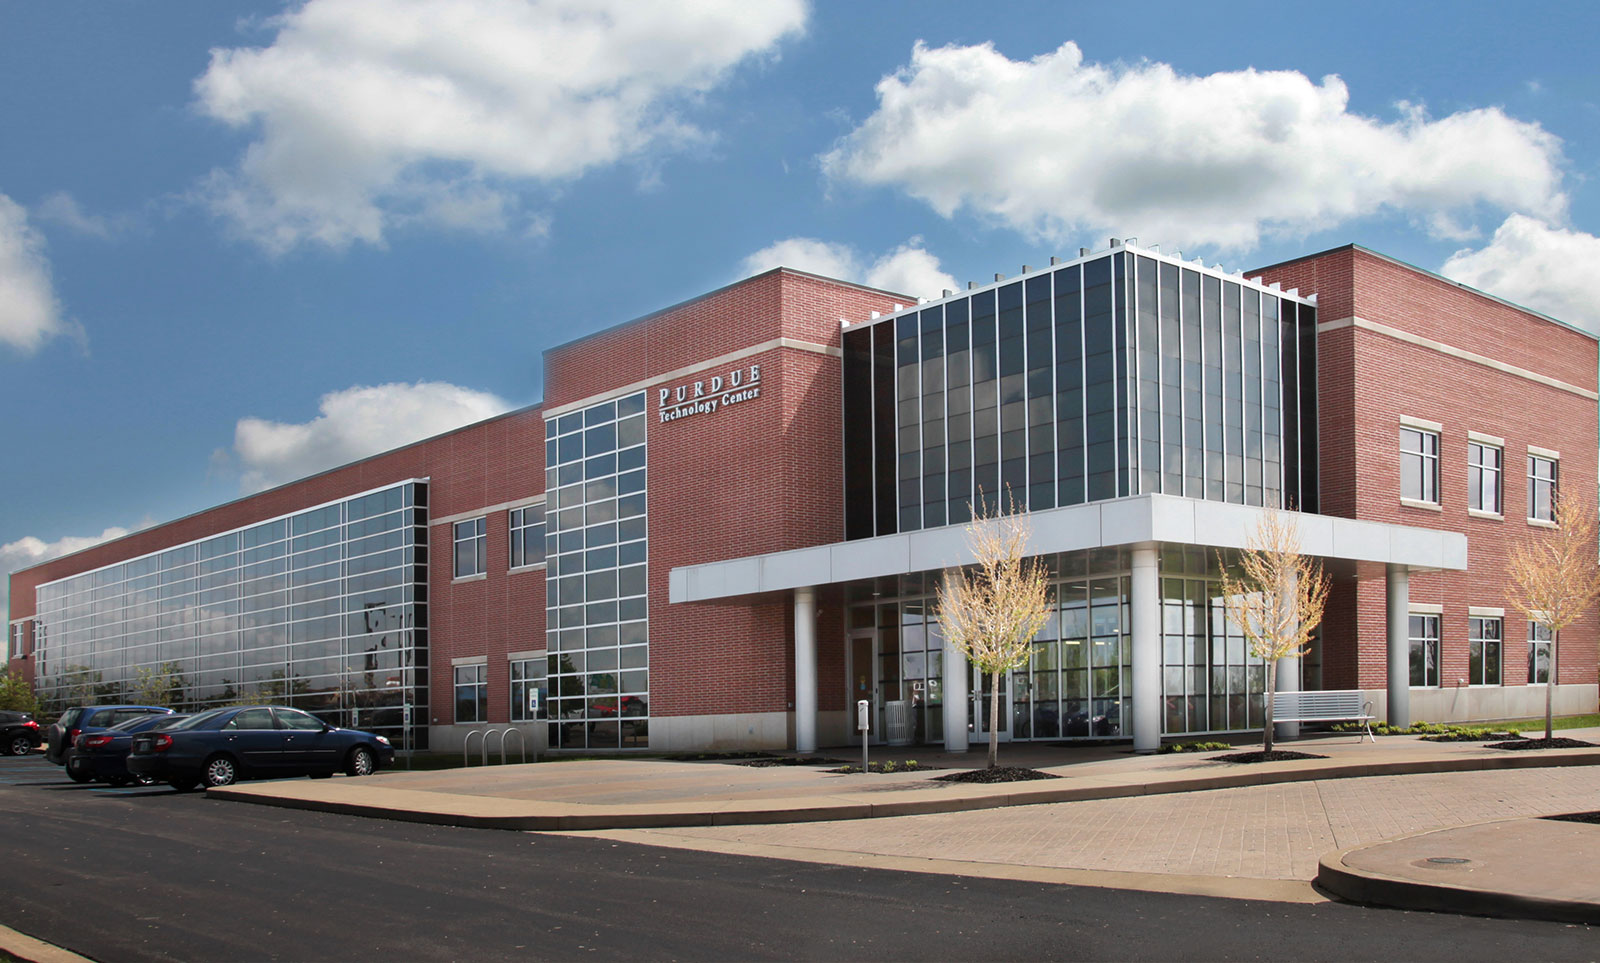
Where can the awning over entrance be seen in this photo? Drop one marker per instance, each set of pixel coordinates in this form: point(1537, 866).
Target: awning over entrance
point(1140, 525)
point(1108, 524)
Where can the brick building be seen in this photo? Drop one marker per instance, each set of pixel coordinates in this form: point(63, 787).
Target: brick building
point(722, 525)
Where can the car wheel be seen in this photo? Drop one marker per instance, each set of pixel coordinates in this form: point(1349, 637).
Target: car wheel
point(183, 785)
point(117, 782)
point(220, 771)
point(20, 746)
point(361, 763)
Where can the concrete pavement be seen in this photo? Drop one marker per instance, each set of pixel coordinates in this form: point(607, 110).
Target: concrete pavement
point(1175, 823)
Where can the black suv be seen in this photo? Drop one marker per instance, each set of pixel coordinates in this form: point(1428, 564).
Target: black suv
point(78, 719)
point(19, 734)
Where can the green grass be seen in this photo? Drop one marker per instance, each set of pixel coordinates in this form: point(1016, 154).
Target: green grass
point(1560, 722)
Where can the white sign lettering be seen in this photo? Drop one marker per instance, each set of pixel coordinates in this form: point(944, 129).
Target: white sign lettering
point(709, 395)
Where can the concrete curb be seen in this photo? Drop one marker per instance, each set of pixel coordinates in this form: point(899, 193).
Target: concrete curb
point(25, 947)
point(1378, 889)
point(491, 812)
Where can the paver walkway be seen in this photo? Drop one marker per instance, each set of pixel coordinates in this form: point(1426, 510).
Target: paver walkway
point(1267, 832)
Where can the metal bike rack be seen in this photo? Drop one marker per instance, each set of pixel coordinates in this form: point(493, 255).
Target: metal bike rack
point(484, 734)
point(522, 743)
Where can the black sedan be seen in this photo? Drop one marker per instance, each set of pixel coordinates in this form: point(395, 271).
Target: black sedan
point(222, 746)
point(19, 733)
point(103, 756)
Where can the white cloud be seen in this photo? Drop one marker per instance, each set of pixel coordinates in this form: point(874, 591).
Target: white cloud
point(908, 269)
point(29, 551)
point(30, 315)
point(1546, 268)
point(353, 424)
point(63, 209)
point(367, 113)
point(1054, 147)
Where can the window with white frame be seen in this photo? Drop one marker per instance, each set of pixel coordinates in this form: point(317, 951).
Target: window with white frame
point(472, 693)
point(527, 690)
point(1542, 482)
point(1419, 465)
point(1483, 650)
point(1424, 631)
point(527, 536)
point(472, 547)
point(19, 639)
point(1484, 463)
point(1538, 654)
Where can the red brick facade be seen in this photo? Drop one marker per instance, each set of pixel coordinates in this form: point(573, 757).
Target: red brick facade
point(765, 475)
point(1369, 379)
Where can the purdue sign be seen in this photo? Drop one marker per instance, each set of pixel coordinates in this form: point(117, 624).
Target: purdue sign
point(710, 395)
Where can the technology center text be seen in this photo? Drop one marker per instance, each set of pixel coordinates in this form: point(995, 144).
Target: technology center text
point(710, 395)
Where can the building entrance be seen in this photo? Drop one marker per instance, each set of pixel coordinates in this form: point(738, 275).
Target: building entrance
point(978, 717)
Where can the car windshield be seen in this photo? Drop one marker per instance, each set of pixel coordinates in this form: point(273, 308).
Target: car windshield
point(167, 722)
point(130, 725)
point(199, 721)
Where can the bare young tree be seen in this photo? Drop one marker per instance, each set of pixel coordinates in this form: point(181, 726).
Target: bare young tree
point(1556, 580)
point(1276, 600)
point(992, 609)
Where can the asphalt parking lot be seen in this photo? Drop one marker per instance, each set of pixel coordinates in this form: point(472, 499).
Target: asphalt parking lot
point(151, 874)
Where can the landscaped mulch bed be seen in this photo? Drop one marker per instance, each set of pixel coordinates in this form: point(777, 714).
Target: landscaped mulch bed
point(789, 761)
point(1556, 742)
point(1577, 817)
point(881, 767)
point(997, 774)
point(1470, 737)
point(1276, 755)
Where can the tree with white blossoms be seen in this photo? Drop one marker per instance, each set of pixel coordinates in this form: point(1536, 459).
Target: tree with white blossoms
point(1276, 598)
point(992, 609)
point(1555, 579)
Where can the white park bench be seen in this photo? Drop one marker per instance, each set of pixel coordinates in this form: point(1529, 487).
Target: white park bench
point(1332, 705)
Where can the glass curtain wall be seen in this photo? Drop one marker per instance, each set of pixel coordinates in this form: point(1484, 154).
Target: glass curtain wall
point(597, 626)
point(324, 610)
point(1124, 373)
point(1078, 682)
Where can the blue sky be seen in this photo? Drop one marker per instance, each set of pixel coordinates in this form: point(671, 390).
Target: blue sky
point(243, 242)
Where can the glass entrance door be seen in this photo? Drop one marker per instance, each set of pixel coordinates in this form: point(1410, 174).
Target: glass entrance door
point(863, 675)
point(978, 717)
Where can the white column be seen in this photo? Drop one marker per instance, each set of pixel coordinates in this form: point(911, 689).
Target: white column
point(1145, 607)
point(1399, 588)
point(1288, 680)
point(805, 669)
point(957, 675)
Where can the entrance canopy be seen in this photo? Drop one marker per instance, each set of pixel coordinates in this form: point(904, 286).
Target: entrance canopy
point(1364, 547)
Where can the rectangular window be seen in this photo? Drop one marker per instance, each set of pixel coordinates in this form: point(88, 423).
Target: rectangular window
point(1538, 654)
point(1483, 651)
point(1419, 465)
point(527, 536)
point(18, 638)
point(1424, 650)
point(472, 693)
point(472, 547)
point(1483, 477)
point(528, 690)
point(1541, 488)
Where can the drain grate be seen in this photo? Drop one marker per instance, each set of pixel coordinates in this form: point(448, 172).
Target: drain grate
point(1451, 860)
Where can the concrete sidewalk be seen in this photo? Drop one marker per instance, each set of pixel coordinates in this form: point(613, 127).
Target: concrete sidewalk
point(1208, 818)
point(638, 793)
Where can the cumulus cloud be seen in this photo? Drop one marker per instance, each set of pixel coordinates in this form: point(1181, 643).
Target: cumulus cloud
point(63, 209)
point(29, 551)
point(1055, 146)
point(1549, 269)
point(366, 114)
point(352, 424)
point(30, 315)
point(908, 269)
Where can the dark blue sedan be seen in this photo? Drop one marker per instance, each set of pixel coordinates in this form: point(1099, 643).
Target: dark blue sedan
point(220, 747)
point(102, 755)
